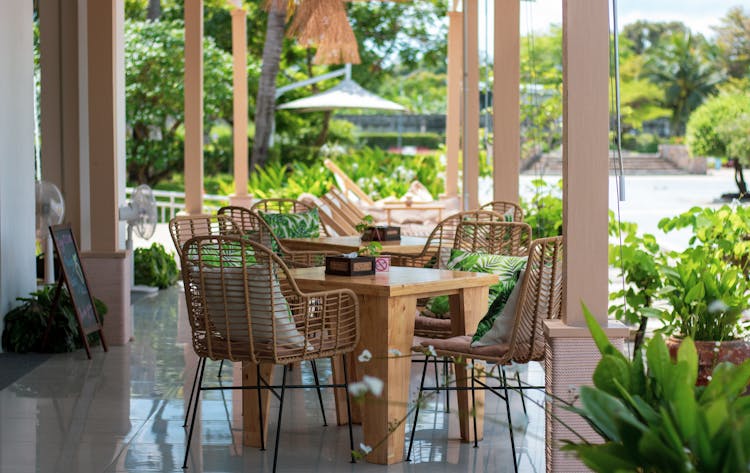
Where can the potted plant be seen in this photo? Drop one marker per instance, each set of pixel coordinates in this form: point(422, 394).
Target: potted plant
point(707, 298)
point(653, 418)
point(371, 232)
point(373, 248)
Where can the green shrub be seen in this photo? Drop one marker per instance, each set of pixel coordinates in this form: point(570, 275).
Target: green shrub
point(544, 211)
point(703, 135)
point(641, 142)
point(155, 267)
point(25, 325)
point(386, 140)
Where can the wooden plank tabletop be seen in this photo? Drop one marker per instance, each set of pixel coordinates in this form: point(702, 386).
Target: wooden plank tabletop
point(399, 281)
point(347, 244)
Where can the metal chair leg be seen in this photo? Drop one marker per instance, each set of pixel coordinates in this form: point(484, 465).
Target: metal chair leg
point(446, 375)
point(510, 422)
point(192, 391)
point(202, 365)
point(416, 411)
point(320, 395)
point(278, 425)
point(221, 367)
point(260, 407)
point(348, 409)
point(437, 375)
point(474, 409)
point(520, 390)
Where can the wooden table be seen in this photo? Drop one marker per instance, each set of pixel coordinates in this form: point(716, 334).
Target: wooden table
point(387, 306)
point(347, 244)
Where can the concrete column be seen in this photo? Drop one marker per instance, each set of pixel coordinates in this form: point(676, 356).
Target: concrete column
point(585, 157)
point(471, 106)
point(453, 111)
point(239, 94)
point(107, 267)
point(17, 265)
point(506, 105)
point(193, 106)
point(59, 100)
point(571, 353)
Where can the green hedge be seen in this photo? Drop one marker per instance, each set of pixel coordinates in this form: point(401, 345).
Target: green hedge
point(390, 140)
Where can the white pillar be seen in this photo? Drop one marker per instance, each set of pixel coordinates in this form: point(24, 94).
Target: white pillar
point(193, 106)
point(17, 265)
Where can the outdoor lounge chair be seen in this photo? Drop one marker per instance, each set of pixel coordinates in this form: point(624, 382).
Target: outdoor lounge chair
point(244, 306)
point(539, 299)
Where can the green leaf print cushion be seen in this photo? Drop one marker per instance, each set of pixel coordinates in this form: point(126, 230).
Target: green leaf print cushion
point(299, 225)
point(508, 268)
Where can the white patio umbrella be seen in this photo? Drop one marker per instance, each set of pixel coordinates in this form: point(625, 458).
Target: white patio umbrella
point(346, 94)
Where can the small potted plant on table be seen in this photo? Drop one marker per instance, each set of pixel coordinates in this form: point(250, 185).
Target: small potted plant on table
point(373, 248)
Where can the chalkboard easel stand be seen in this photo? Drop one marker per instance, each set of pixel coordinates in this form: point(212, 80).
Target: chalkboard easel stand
point(72, 274)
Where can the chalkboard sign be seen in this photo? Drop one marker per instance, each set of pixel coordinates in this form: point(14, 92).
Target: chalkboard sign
point(78, 287)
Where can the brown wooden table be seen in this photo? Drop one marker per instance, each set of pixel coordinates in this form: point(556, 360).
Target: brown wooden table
point(388, 303)
point(347, 244)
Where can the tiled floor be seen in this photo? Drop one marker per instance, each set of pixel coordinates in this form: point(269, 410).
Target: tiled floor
point(122, 412)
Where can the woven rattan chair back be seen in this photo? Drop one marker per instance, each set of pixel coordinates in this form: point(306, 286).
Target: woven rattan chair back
point(499, 238)
point(540, 299)
point(286, 206)
point(258, 230)
point(437, 250)
point(184, 228)
point(505, 208)
point(243, 305)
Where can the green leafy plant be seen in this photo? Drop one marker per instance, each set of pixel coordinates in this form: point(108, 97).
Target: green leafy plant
point(25, 325)
point(367, 221)
point(653, 418)
point(706, 296)
point(372, 248)
point(638, 259)
point(544, 211)
point(724, 231)
point(155, 267)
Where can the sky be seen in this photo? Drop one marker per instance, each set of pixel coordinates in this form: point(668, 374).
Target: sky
point(699, 15)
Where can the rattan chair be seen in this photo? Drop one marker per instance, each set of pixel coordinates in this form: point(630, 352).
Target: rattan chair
point(255, 228)
point(505, 208)
point(183, 228)
point(436, 251)
point(287, 206)
point(478, 236)
point(244, 306)
point(540, 299)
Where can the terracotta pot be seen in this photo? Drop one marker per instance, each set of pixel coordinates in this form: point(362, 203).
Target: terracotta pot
point(712, 353)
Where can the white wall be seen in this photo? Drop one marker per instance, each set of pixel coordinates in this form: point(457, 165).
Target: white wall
point(17, 266)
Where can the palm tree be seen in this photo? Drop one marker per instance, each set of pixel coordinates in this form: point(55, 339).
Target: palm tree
point(682, 65)
point(265, 102)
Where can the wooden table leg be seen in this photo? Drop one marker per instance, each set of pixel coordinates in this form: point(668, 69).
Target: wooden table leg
point(467, 309)
point(250, 413)
point(386, 324)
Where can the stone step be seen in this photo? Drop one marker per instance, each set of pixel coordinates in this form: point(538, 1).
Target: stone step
point(632, 164)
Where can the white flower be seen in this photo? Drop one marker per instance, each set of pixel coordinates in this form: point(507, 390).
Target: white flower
point(469, 365)
point(717, 306)
point(357, 389)
point(394, 352)
point(365, 356)
point(374, 385)
point(365, 448)
point(431, 351)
